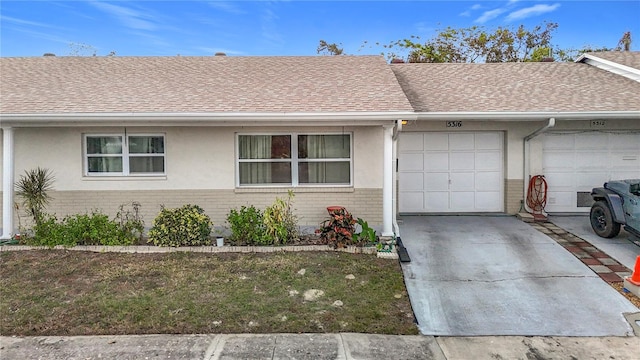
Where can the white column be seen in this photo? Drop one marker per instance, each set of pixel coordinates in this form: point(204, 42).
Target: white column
point(387, 183)
point(7, 183)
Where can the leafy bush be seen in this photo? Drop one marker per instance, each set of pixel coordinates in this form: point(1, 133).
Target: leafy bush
point(81, 229)
point(366, 234)
point(338, 229)
point(187, 225)
point(280, 222)
point(33, 188)
point(247, 226)
point(130, 221)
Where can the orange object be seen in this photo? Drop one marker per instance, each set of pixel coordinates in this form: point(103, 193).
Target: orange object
point(635, 276)
point(332, 209)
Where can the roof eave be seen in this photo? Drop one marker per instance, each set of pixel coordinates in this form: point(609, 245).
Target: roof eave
point(203, 119)
point(527, 116)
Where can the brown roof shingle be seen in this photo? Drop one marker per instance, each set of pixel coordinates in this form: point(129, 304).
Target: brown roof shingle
point(517, 87)
point(51, 85)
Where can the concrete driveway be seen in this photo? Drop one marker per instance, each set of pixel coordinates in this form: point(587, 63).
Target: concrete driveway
point(622, 247)
point(483, 275)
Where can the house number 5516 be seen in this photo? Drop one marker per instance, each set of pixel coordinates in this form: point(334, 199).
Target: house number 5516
point(454, 124)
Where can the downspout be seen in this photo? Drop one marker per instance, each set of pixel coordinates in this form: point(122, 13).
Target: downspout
point(527, 147)
point(7, 183)
point(396, 131)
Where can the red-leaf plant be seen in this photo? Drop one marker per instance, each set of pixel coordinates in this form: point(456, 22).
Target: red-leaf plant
point(338, 230)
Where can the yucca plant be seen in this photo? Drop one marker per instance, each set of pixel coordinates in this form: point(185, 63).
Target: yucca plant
point(33, 187)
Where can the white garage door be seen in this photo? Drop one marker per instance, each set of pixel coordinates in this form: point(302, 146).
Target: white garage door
point(573, 164)
point(450, 172)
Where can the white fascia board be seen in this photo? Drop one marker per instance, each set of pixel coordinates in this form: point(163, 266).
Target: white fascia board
point(203, 119)
point(527, 116)
point(611, 66)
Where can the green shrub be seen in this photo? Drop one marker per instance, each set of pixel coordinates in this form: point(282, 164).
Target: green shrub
point(184, 226)
point(247, 226)
point(130, 221)
point(81, 229)
point(366, 234)
point(281, 224)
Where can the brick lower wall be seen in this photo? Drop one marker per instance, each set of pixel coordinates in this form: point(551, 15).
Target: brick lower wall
point(310, 205)
point(513, 189)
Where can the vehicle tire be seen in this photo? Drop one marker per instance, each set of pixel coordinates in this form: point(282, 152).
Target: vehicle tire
point(602, 220)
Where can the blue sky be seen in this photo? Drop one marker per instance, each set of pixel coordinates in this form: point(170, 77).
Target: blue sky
point(32, 28)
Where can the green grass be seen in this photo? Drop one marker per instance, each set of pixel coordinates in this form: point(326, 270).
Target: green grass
point(61, 292)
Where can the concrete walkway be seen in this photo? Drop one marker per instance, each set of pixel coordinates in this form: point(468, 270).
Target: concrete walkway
point(344, 346)
point(483, 275)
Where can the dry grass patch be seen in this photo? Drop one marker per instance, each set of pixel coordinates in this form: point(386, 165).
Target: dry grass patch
point(60, 292)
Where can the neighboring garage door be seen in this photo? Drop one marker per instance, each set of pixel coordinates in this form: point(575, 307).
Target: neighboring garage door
point(450, 172)
point(573, 164)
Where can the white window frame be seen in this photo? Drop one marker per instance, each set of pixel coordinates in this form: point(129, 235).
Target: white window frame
point(125, 155)
point(293, 160)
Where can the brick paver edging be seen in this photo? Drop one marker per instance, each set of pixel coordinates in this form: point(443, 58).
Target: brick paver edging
point(602, 264)
point(141, 249)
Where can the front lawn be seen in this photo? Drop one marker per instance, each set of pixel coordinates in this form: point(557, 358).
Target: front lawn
point(62, 292)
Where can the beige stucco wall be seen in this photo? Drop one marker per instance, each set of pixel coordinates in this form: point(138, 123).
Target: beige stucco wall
point(200, 169)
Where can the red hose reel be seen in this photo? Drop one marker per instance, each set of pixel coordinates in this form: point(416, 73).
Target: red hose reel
point(537, 196)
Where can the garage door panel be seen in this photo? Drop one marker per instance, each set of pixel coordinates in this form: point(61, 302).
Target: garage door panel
point(625, 160)
point(559, 181)
point(464, 181)
point(412, 201)
point(558, 160)
point(591, 141)
point(488, 141)
point(461, 142)
point(435, 141)
point(487, 200)
point(553, 142)
point(436, 161)
point(591, 159)
point(411, 162)
point(436, 201)
point(488, 160)
point(412, 181)
point(462, 161)
point(563, 200)
point(488, 181)
point(436, 182)
point(626, 141)
point(586, 180)
point(463, 201)
point(411, 142)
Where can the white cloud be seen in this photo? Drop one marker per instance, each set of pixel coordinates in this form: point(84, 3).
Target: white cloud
point(226, 6)
point(467, 12)
point(131, 18)
point(490, 15)
point(532, 11)
point(23, 22)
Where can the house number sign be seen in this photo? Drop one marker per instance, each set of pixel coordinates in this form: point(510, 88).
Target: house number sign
point(454, 124)
point(598, 123)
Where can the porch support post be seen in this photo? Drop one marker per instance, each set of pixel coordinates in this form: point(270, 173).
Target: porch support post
point(387, 182)
point(7, 183)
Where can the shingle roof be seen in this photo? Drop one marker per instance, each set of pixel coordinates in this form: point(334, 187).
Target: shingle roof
point(49, 85)
point(520, 87)
point(628, 58)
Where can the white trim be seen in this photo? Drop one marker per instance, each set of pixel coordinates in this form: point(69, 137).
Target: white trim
point(7, 183)
point(293, 160)
point(387, 182)
point(358, 118)
point(611, 66)
point(527, 116)
point(125, 155)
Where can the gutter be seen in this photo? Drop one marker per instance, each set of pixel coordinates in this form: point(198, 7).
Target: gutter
point(230, 119)
point(526, 148)
point(528, 116)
